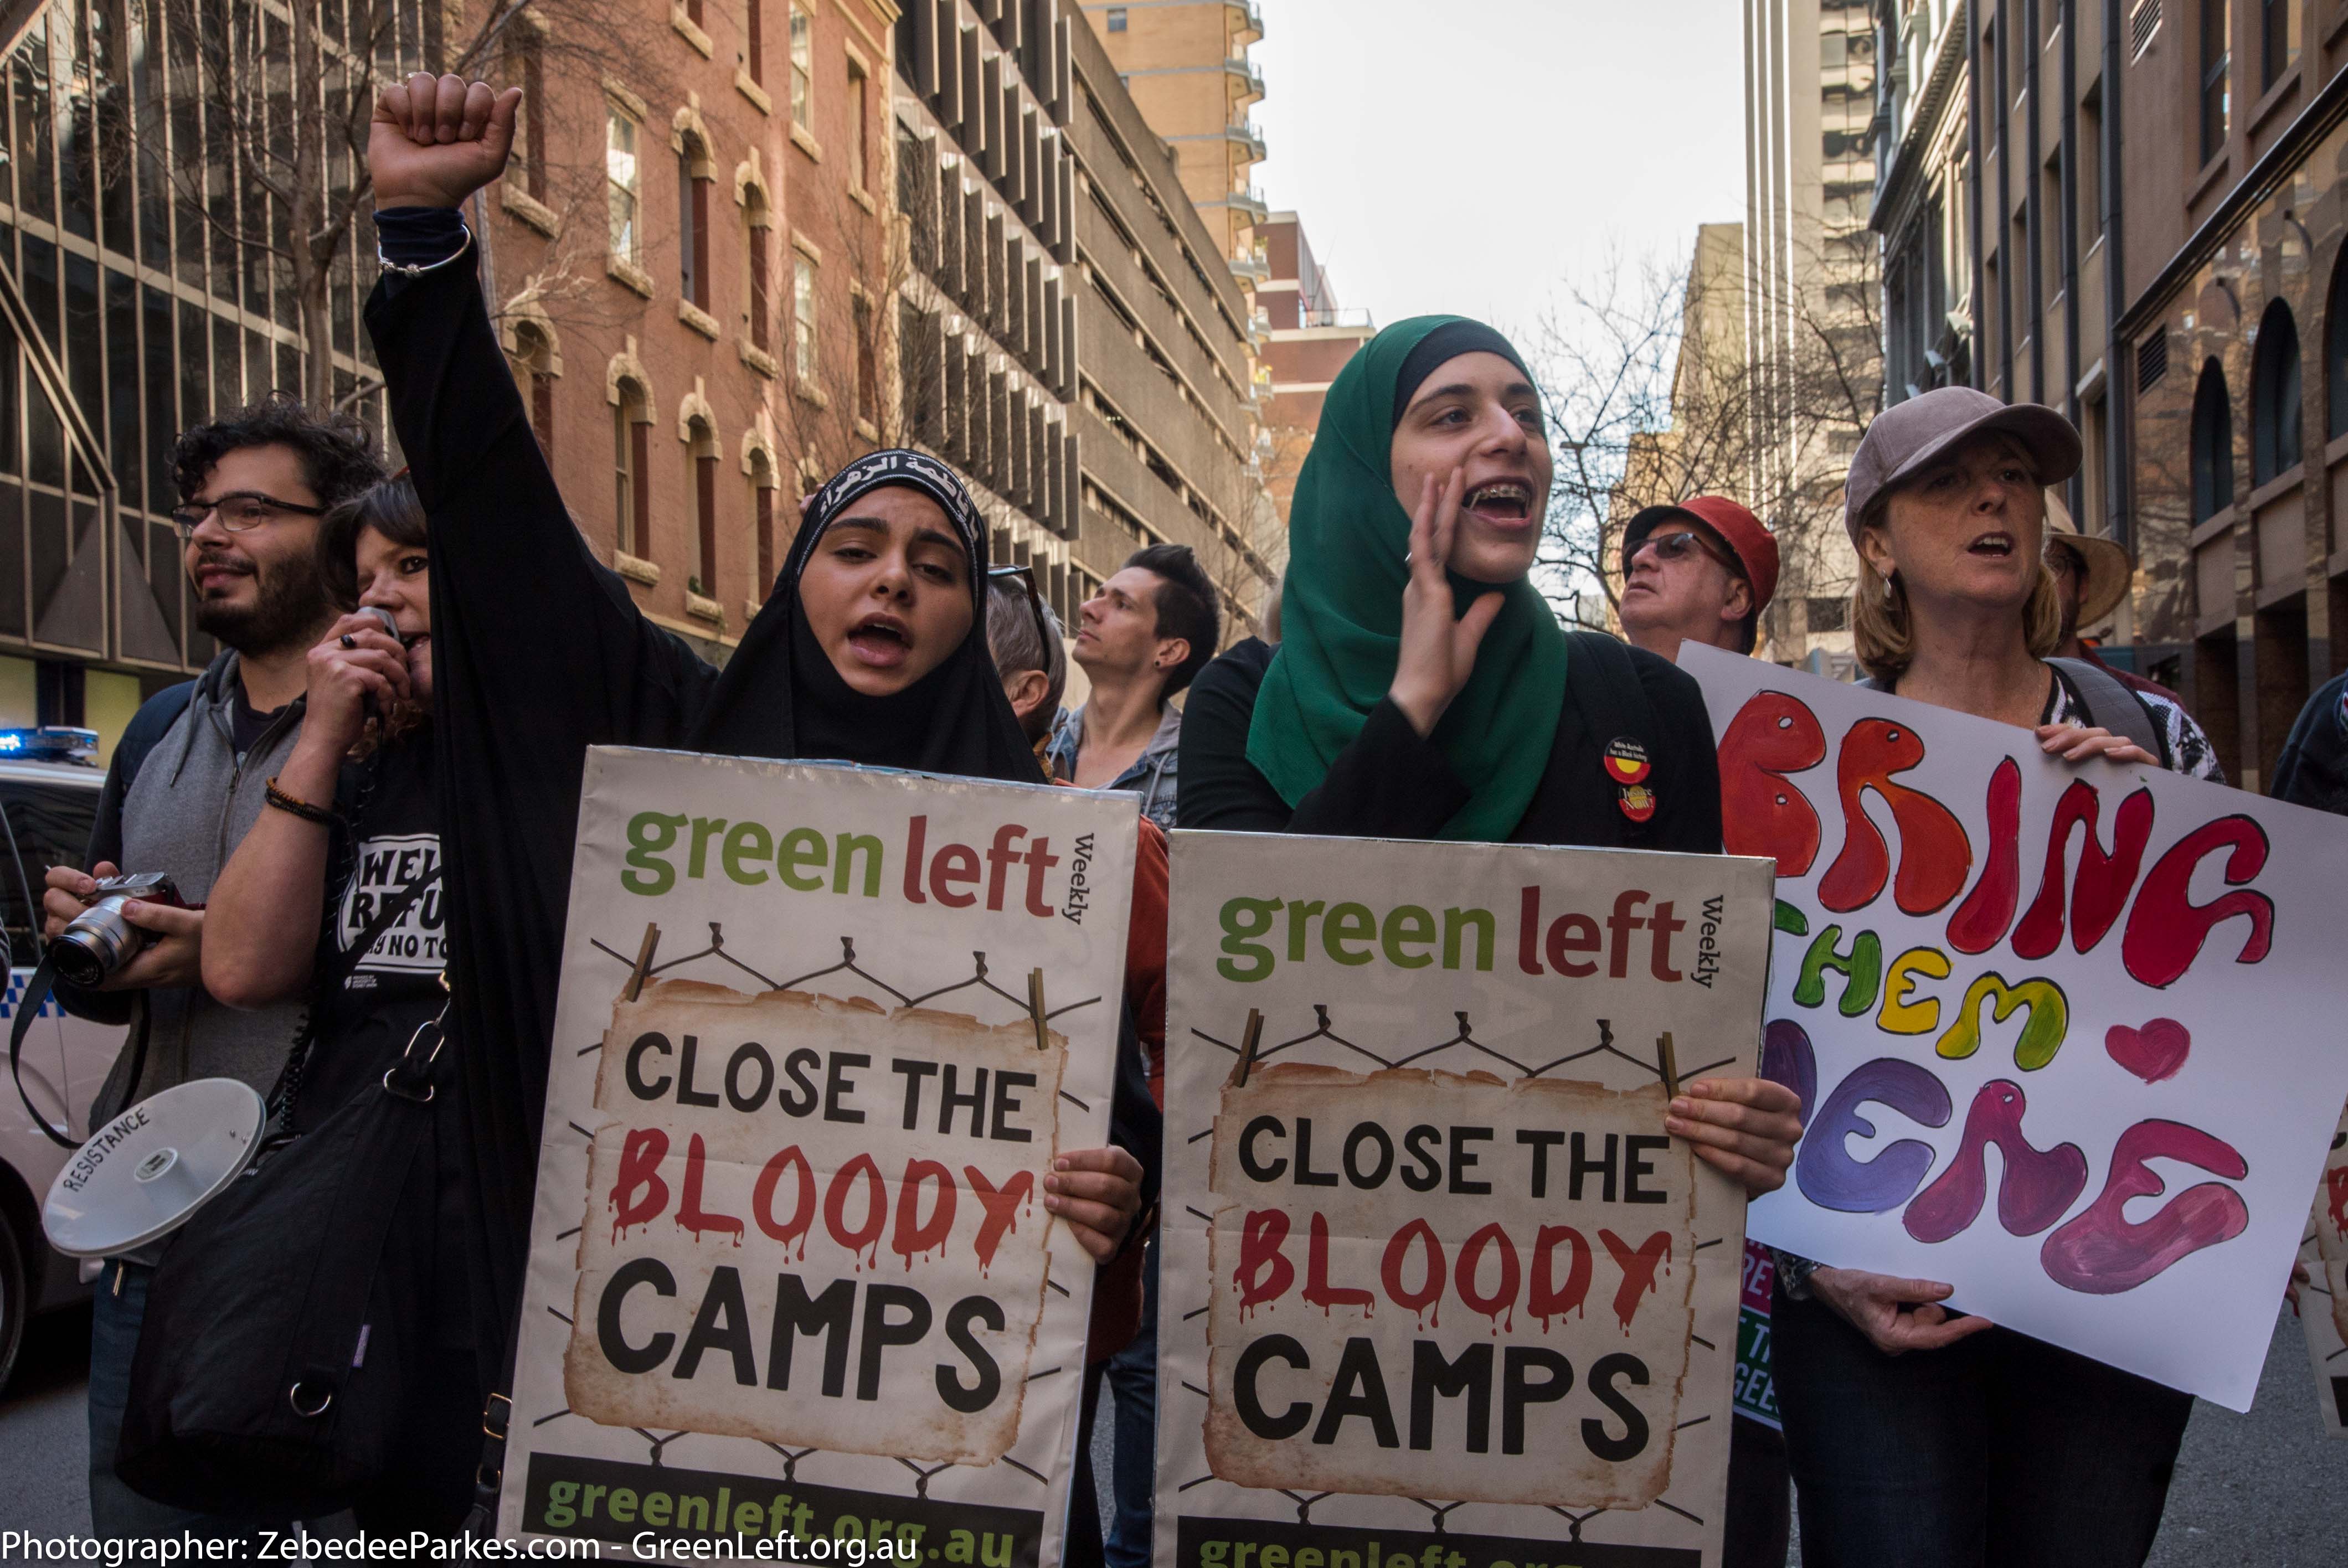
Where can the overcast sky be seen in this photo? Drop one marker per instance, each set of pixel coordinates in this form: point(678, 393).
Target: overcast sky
point(1465, 155)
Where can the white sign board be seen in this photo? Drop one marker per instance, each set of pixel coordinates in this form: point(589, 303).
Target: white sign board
point(1435, 1280)
point(2125, 982)
point(791, 1274)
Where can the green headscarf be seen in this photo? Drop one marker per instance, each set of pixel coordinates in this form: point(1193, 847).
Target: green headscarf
point(1341, 619)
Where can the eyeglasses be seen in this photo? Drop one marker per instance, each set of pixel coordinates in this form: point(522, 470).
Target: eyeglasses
point(1671, 546)
point(1026, 576)
point(240, 512)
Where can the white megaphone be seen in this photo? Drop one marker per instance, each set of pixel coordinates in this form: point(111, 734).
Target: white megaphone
point(146, 1173)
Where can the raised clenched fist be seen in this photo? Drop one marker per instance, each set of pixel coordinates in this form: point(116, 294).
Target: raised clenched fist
point(437, 140)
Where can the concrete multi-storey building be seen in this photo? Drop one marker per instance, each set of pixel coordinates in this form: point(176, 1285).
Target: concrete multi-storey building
point(1070, 331)
point(2132, 209)
point(2232, 216)
point(1702, 450)
point(676, 259)
point(1997, 265)
point(1812, 328)
point(1309, 337)
point(1186, 63)
point(1925, 196)
point(123, 317)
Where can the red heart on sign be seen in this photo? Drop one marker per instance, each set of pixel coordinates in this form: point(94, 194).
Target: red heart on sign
point(2154, 1052)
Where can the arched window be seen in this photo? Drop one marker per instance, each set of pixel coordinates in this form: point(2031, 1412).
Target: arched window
point(2274, 396)
point(535, 354)
point(701, 441)
point(632, 423)
point(2335, 350)
point(762, 521)
point(693, 171)
point(762, 235)
point(2213, 444)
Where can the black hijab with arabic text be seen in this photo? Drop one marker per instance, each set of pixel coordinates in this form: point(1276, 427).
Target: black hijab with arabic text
point(779, 696)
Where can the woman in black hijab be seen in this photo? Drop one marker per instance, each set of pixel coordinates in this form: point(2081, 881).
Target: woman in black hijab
point(870, 648)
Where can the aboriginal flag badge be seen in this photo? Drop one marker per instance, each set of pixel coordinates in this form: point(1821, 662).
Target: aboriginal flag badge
point(1627, 768)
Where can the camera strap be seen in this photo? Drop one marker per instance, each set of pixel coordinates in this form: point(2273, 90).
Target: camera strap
point(28, 1007)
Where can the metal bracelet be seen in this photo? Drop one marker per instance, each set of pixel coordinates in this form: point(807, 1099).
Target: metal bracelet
point(1794, 1273)
point(406, 270)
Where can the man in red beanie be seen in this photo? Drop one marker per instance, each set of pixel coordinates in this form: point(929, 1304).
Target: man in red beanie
point(1701, 570)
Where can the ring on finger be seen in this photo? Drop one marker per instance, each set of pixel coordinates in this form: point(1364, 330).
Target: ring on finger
point(348, 641)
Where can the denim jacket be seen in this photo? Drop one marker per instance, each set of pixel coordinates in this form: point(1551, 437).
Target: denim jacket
point(1151, 776)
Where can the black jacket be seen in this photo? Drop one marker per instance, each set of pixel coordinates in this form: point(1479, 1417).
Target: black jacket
point(2313, 767)
point(539, 654)
point(1392, 783)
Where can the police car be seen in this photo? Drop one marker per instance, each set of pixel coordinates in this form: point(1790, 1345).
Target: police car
point(49, 782)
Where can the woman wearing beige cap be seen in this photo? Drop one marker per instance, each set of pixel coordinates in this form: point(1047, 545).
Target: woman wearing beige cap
point(1915, 1436)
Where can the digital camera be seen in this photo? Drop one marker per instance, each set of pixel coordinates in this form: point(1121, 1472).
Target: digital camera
point(99, 941)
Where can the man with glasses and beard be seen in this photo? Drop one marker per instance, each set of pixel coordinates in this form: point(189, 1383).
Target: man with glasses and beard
point(191, 774)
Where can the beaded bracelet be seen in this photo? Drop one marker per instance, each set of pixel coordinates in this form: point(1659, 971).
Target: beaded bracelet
point(299, 807)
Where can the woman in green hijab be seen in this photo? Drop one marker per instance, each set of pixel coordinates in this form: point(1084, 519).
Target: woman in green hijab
point(1423, 688)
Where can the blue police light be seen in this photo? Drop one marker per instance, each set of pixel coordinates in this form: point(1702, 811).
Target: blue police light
point(51, 742)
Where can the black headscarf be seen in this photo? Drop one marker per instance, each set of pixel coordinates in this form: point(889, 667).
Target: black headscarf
point(541, 654)
point(779, 696)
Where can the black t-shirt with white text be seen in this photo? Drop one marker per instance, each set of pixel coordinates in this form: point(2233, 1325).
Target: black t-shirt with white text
point(378, 998)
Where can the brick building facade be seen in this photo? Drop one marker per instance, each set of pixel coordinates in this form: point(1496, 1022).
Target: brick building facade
point(691, 250)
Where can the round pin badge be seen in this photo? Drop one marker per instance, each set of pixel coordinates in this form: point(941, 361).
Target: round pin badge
point(1626, 761)
point(1638, 802)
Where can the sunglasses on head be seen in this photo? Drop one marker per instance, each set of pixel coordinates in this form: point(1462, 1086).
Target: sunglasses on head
point(1025, 577)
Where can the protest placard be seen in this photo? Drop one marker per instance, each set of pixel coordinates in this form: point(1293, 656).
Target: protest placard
point(791, 1274)
point(1436, 1285)
point(2323, 1300)
point(2116, 977)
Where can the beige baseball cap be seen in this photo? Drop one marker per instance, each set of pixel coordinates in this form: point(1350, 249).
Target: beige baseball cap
point(1908, 436)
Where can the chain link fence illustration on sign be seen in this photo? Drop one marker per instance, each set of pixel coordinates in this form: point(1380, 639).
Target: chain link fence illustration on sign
point(792, 1274)
point(1435, 1276)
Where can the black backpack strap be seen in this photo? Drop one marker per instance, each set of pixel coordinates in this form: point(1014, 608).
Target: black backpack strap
point(2112, 704)
point(1602, 680)
point(147, 727)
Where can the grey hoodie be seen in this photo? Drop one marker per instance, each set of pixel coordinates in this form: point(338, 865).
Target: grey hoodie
point(190, 804)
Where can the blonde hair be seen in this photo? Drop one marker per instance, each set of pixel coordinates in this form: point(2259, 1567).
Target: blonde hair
point(1881, 629)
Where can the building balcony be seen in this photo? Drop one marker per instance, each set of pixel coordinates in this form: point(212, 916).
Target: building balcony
point(1247, 26)
point(1248, 140)
point(1246, 82)
point(1338, 316)
point(1248, 202)
point(1252, 263)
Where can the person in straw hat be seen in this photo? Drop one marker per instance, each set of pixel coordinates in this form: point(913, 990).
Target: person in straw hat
point(2091, 576)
